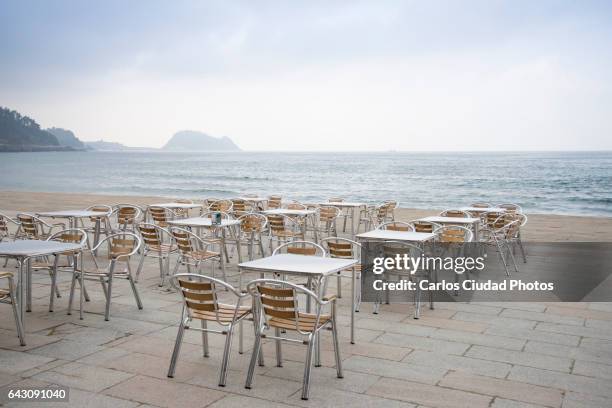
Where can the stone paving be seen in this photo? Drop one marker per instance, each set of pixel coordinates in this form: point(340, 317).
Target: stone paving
point(501, 355)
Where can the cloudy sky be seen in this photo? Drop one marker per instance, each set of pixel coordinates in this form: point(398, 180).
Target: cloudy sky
point(316, 75)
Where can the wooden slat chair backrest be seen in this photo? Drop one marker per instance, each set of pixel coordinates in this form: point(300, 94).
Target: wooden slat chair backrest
point(149, 235)
point(421, 226)
point(398, 226)
point(280, 303)
point(199, 296)
point(221, 205)
point(183, 241)
point(252, 223)
point(274, 201)
point(121, 246)
point(29, 226)
point(452, 235)
point(159, 215)
point(342, 250)
point(126, 215)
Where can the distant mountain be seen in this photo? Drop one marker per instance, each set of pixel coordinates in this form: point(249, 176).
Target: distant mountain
point(22, 134)
point(105, 146)
point(189, 140)
point(66, 138)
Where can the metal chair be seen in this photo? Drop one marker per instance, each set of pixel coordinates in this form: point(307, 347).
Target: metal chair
point(502, 235)
point(126, 217)
point(455, 214)
point(425, 226)
point(515, 208)
point(274, 201)
point(240, 207)
point(252, 228)
point(283, 229)
point(161, 215)
point(481, 204)
point(72, 236)
point(396, 226)
point(344, 248)
point(8, 296)
point(193, 251)
point(277, 307)
point(326, 220)
point(300, 248)
point(155, 246)
point(390, 249)
point(182, 212)
point(5, 232)
point(120, 247)
point(99, 224)
point(32, 227)
point(200, 302)
point(225, 206)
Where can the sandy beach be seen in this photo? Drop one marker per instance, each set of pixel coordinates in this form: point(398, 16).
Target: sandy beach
point(540, 227)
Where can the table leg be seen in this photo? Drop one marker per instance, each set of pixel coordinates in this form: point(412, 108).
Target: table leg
point(318, 337)
point(352, 222)
point(29, 287)
point(353, 279)
point(223, 245)
point(21, 293)
point(238, 244)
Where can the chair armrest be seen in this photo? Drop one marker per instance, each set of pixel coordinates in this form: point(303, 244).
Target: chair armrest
point(330, 298)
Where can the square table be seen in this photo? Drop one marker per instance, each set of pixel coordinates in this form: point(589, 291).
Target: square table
point(181, 206)
point(206, 222)
point(313, 267)
point(296, 213)
point(348, 205)
point(24, 251)
point(479, 210)
point(71, 215)
point(391, 235)
point(466, 221)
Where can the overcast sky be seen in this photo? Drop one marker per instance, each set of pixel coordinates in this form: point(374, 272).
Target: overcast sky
point(316, 75)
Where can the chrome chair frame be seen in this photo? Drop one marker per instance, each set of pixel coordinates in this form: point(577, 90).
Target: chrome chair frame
point(8, 296)
point(277, 311)
point(200, 302)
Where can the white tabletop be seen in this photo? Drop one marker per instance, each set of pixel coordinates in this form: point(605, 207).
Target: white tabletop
point(343, 204)
point(71, 214)
point(450, 220)
point(177, 205)
point(253, 199)
point(33, 247)
point(299, 264)
point(202, 222)
point(286, 211)
point(391, 235)
point(483, 209)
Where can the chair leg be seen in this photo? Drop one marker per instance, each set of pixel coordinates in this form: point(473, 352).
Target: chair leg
point(140, 265)
point(254, 356)
point(308, 366)
point(71, 297)
point(16, 314)
point(177, 349)
point(279, 352)
point(204, 338)
point(520, 244)
point(227, 350)
point(53, 273)
point(136, 295)
point(336, 344)
point(109, 291)
point(161, 271)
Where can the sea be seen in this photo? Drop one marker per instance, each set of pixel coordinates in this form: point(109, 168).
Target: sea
point(575, 183)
